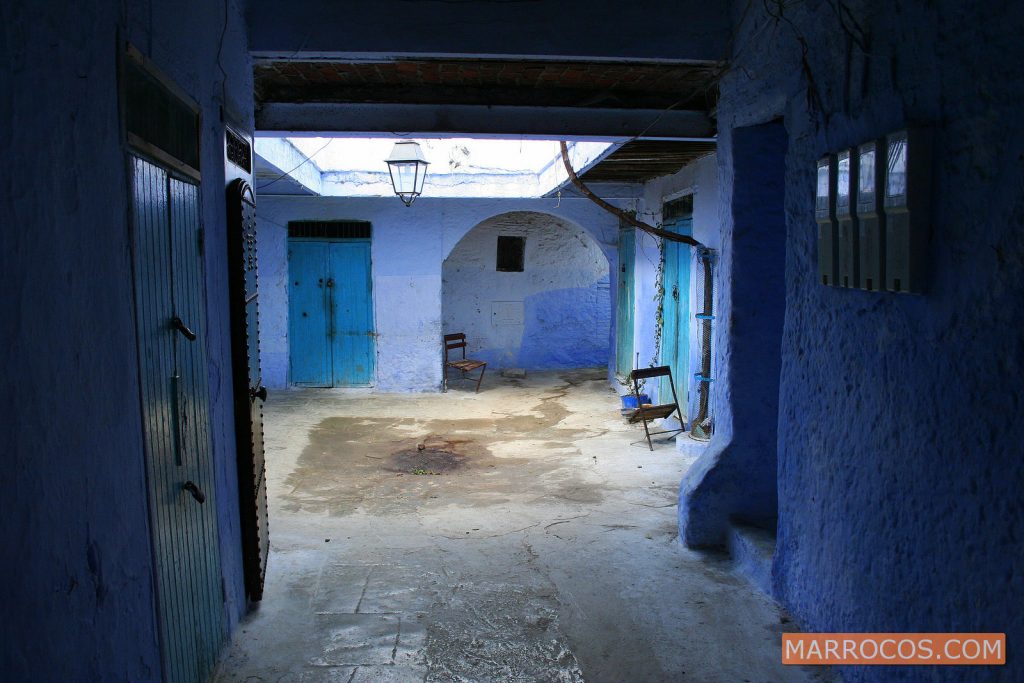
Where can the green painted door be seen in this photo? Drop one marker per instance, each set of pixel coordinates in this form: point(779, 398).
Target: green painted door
point(624, 309)
point(170, 322)
point(675, 334)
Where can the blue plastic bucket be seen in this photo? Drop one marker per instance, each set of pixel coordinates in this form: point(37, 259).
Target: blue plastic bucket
point(629, 400)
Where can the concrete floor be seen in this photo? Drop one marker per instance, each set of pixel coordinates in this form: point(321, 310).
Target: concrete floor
point(527, 541)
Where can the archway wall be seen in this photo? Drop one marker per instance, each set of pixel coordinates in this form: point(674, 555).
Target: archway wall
point(554, 314)
point(409, 246)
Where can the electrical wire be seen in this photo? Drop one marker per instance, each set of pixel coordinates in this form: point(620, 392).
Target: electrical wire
point(220, 51)
point(652, 123)
point(288, 173)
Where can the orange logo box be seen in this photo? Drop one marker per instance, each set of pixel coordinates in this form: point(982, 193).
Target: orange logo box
point(963, 649)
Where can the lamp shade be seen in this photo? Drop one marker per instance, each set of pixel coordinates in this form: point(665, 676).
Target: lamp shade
point(408, 169)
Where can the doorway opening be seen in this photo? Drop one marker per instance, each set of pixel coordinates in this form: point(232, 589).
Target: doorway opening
point(433, 536)
point(442, 536)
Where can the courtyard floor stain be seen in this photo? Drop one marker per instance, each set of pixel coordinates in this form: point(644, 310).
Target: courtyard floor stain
point(526, 541)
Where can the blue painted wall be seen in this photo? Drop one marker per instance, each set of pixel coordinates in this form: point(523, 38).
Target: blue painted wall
point(77, 591)
point(899, 430)
point(735, 475)
point(562, 294)
point(409, 247)
point(898, 433)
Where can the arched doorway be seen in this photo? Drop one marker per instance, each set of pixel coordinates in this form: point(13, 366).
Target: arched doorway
point(530, 290)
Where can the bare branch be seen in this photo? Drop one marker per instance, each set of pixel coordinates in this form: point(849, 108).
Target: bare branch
point(639, 225)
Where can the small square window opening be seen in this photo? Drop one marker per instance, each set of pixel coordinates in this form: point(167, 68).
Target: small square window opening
point(510, 254)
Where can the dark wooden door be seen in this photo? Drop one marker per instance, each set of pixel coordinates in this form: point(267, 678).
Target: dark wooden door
point(248, 385)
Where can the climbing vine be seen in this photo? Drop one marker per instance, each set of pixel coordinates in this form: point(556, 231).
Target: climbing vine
point(659, 317)
point(659, 298)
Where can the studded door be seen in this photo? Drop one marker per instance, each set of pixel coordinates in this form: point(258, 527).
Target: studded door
point(248, 385)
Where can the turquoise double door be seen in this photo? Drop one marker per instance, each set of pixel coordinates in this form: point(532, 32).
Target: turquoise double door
point(330, 313)
point(675, 334)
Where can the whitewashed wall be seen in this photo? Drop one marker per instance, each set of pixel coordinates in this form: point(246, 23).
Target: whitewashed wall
point(409, 246)
point(554, 314)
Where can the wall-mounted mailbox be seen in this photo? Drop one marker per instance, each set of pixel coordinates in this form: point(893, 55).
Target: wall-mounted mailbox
point(870, 218)
point(825, 214)
point(907, 222)
point(846, 219)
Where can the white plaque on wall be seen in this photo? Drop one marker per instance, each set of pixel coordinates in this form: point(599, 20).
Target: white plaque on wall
point(506, 313)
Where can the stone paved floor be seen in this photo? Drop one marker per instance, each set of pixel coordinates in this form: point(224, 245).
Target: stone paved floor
point(526, 541)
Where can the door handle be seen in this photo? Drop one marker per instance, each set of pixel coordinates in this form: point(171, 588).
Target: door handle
point(196, 492)
point(330, 282)
point(180, 326)
point(260, 394)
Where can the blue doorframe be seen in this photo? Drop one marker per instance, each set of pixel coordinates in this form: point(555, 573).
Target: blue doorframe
point(624, 308)
point(330, 313)
point(675, 334)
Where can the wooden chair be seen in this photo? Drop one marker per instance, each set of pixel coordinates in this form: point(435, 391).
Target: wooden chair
point(465, 365)
point(661, 411)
